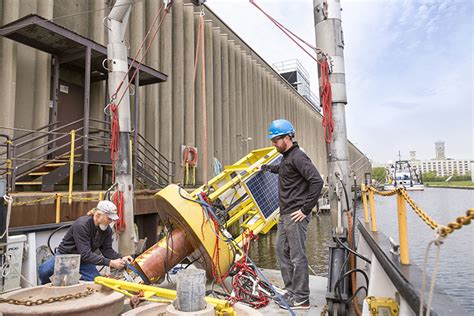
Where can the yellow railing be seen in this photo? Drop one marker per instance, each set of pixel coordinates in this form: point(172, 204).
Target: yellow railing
point(402, 199)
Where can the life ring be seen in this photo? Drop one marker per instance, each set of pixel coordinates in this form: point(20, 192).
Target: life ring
point(190, 156)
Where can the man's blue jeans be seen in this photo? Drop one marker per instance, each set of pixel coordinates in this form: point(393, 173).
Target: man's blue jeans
point(88, 271)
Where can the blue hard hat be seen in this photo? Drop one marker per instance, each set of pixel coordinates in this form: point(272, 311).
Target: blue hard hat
point(279, 128)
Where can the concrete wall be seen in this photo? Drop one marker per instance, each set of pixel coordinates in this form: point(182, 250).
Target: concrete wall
point(243, 94)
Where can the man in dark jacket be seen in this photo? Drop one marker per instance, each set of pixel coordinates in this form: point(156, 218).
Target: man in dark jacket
point(86, 235)
point(299, 187)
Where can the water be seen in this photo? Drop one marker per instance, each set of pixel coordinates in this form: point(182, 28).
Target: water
point(443, 205)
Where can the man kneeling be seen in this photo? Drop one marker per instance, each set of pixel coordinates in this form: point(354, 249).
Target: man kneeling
point(87, 234)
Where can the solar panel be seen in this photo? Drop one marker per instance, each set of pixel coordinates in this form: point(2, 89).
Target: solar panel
point(263, 189)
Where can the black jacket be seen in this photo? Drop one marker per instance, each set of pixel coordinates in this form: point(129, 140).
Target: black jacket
point(299, 181)
point(84, 238)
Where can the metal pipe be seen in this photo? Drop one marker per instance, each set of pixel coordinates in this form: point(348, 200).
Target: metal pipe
point(117, 56)
point(373, 219)
point(364, 202)
point(164, 255)
point(327, 16)
point(402, 230)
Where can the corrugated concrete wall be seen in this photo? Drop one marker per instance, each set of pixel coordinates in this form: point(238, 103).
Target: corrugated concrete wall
point(243, 93)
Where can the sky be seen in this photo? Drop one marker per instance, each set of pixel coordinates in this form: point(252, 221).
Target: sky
point(409, 68)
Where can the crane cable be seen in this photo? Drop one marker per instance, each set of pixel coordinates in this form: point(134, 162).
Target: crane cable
point(326, 91)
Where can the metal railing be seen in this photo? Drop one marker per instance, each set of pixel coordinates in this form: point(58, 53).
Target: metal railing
point(51, 143)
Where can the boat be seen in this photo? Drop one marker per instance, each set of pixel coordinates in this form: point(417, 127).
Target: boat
point(402, 173)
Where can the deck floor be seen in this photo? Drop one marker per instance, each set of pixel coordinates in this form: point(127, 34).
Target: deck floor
point(317, 287)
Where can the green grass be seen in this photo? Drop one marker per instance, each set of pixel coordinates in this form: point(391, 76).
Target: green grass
point(451, 184)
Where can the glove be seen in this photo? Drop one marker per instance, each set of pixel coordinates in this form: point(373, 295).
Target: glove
point(264, 168)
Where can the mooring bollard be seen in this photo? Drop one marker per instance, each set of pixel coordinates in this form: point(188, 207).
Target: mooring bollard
point(66, 270)
point(190, 290)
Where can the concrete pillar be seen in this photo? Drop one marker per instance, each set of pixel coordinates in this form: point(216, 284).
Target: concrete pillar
point(96, 18)
point(178, 87)
point(252, 113)
point(189, 47)
point(244, 122)
point(151, 91)
point(166, 114)
point(208, 49)
point(225, 98)
point(238, 102)
point(217, 92)
point(266, 119)
point(199, 105)
point(42, 75)
point(232, 110)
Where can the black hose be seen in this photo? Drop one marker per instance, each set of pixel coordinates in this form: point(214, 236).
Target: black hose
point(352, 251)
point(54, 232)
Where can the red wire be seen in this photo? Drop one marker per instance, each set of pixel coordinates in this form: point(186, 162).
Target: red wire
point(326, 92)
point(120, 223)
point(326, 102)
point(114, 137)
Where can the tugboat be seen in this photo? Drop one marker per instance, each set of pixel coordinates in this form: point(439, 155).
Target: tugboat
point(402, 173)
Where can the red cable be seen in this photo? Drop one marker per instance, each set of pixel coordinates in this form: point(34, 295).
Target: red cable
point(326, 102)
point(114, 137)
point(326, 92)
point(120, 223)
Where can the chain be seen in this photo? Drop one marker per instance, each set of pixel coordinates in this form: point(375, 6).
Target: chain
point(460, 222)
point(443, 230)
point(50, 197)
point(85, 199)
point(425, 217)
point(53, 299)
point(388, 193)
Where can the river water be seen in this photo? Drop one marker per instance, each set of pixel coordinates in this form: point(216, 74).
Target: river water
point(443, 205)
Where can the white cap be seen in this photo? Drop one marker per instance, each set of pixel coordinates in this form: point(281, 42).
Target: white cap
point(108, 208)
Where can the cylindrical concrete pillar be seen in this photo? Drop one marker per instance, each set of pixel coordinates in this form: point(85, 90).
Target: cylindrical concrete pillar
point(166, 123)
point(178, 87)
point(225, 98)
point(244, 122)
point(189, 47)
point(151, 91)
point(199, 106)
point(238, 102)
point(232, 110)
point(208, 48)
point(217, 75)
point(42, 74)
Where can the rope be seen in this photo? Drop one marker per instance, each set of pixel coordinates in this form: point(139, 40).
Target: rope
point(437, 242)
point(120, 224)
point(9, 200)
point(114, 137)
point(326, 101)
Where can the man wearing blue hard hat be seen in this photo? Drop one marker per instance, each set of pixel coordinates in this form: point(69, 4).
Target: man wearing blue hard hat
point(299, 186)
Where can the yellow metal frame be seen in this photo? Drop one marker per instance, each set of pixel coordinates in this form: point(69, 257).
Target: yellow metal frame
point(376, 303)
point(189, 214)
point(222, 307)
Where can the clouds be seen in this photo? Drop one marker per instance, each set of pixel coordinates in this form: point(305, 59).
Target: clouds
point(409, 67)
